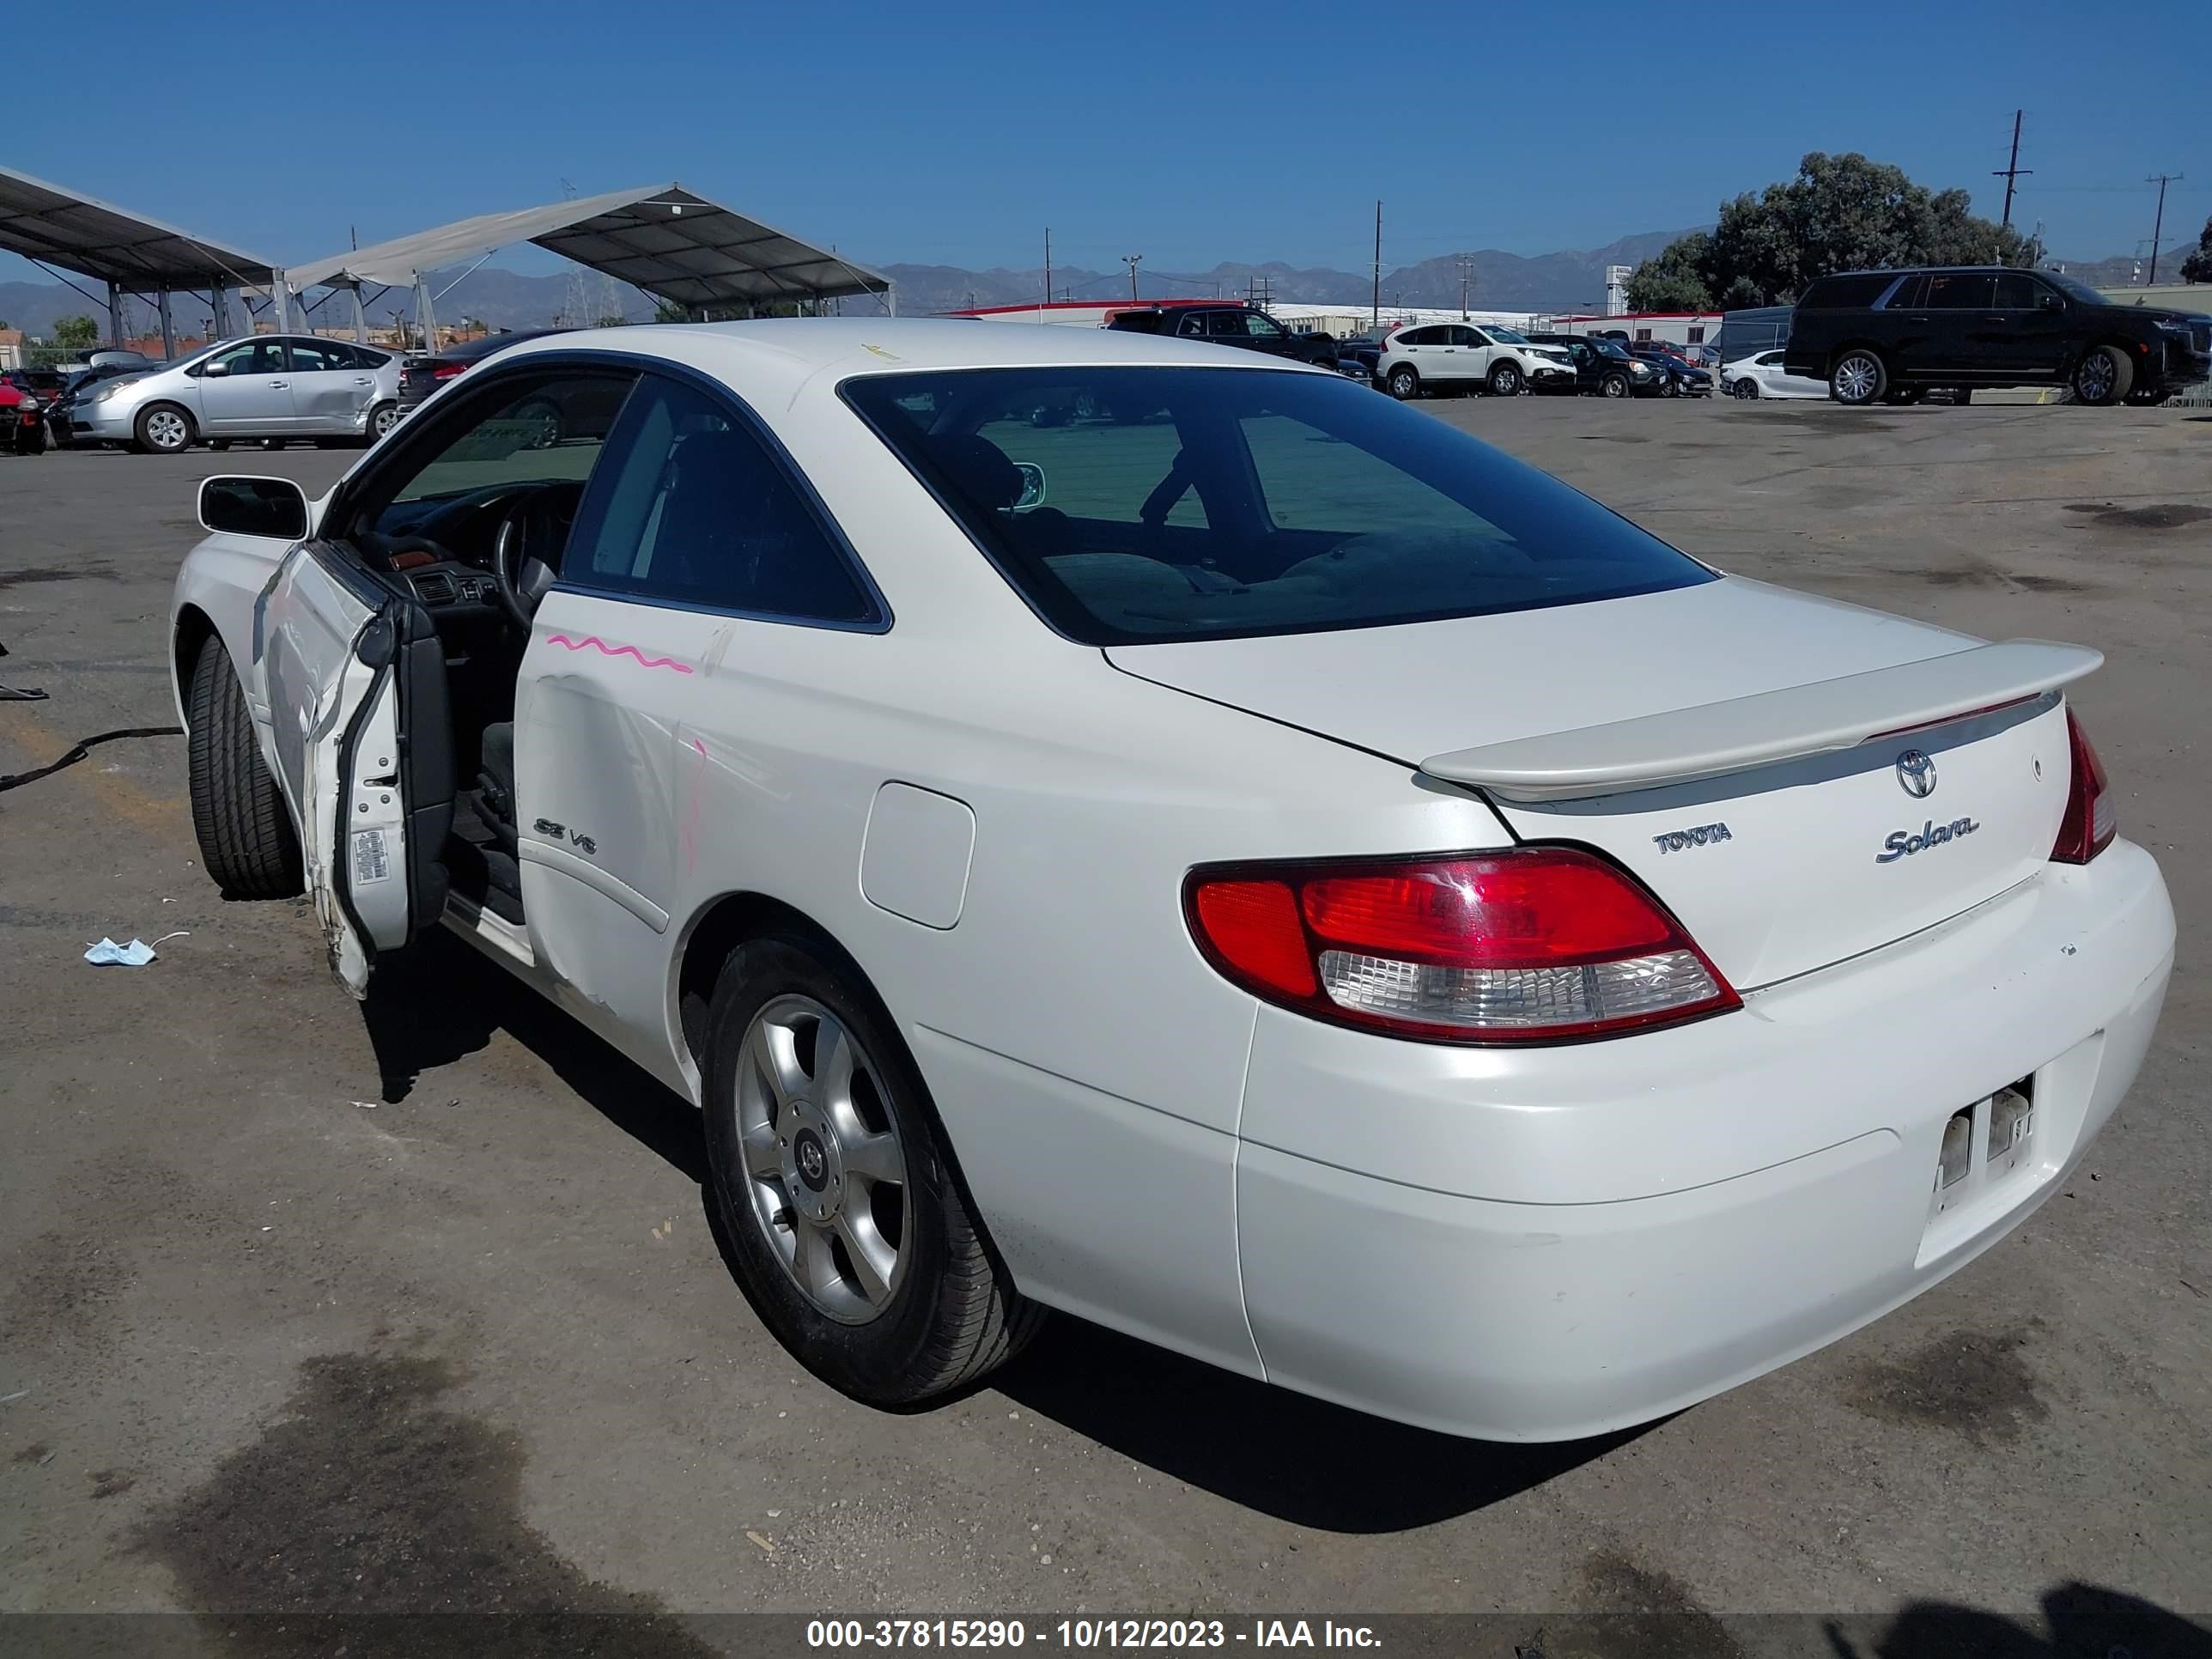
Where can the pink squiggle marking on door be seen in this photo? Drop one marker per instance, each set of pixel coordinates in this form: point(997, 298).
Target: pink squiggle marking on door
point(689, 835)
point(607, 650)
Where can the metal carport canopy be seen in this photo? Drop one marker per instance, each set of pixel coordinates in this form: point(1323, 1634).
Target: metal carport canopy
point(62, 230)
point(56, 225)
point(664, 240)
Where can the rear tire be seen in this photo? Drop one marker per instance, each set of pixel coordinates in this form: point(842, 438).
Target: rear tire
point(1746, 389)
point(1858, 378)
point(382, 419)
point(245, 834)
point(163, 429)
point(1961, 396)
point(2103, 376)
point(945, 1313)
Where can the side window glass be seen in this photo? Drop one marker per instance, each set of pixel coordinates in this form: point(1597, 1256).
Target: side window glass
point(1225, 326)
point(549, 430)
point(312, 357)
point(1261, 328)
point(1468, 337)
point(1964, 291)
point(255, 357)
point(2016, 291)
point(697, 511)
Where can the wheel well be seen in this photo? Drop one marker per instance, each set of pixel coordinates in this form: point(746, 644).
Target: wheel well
point(1850, 346)
point(194, 630)
point(725, 924)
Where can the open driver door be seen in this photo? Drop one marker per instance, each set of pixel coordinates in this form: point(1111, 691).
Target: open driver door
point(355, 678)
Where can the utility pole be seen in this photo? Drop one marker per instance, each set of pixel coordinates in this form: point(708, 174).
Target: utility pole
point(1375, 319)
point(1464, 264)
point(2158, 225)
point(2012, 170)
point(1131, 260)
point(1047, 267)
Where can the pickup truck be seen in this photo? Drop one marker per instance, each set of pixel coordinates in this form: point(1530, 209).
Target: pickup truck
point(1246, 326)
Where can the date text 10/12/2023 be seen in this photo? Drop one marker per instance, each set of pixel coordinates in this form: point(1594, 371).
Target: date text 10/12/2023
point(1084, 1634)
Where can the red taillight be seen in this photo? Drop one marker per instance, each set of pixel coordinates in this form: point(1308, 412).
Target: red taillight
point(1539, 945)
point(447, 370)
point(2090, 822)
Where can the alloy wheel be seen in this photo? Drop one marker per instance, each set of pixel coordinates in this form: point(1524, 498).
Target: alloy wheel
point(166, 429)
point(823, 1164)
point(2093, 381)
point(386, 417)
point(1857, 378)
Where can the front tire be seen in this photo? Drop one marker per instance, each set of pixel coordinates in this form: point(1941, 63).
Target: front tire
point(163, 429)
point(245, 834)
point(1615, 385)
point(2103, 376)
point(1404, 384)
point(846, 1225)
point(1670, 388)
point(1505, 380)
point(1858, 378)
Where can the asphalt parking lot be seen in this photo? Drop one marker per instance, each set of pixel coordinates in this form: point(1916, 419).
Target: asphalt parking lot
point(309, 1307)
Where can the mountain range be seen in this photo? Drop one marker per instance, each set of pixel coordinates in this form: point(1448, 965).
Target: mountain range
point(1571, 280)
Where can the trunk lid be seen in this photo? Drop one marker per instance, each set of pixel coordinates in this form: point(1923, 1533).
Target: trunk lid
point(1735, 745)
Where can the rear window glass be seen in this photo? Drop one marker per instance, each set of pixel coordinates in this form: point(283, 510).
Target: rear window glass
point(1846, 292)
point(1134, 504)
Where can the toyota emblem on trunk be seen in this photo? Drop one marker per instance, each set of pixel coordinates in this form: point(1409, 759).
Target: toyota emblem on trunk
point(1916, 775)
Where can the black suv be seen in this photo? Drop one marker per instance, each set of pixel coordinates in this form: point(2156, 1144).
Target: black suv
point(1602, 366)
point(1890, 336)
point(1229, 325)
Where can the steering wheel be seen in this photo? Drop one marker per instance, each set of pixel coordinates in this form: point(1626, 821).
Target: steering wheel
point(520, 580)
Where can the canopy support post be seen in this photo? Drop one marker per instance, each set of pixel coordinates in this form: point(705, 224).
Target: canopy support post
point(114, 315)
point(422, 314)
point(168, 328)
point(359, 314)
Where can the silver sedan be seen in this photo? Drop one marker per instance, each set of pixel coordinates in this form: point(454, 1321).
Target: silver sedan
point(272, 386)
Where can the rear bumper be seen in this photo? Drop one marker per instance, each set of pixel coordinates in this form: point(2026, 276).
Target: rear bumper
point(1559, 1244)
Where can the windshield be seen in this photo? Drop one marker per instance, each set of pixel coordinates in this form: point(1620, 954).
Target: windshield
point(2073, 287)
point(1135, 504)
point(1505, 334)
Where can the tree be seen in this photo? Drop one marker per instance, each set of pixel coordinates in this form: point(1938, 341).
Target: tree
point(2197, 267)
point(76, 332)
point(667, 311)
point(616, 320)
point(1840, 213)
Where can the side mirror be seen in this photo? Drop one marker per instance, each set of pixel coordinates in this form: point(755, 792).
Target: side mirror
point(214, 369)
point(276, 509)
point(1032, 486)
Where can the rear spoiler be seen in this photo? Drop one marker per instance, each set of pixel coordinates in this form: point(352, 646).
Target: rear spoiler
point(1684, 744)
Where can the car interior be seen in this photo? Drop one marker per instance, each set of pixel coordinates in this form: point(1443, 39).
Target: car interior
point(475, 532)
point(1213, 503)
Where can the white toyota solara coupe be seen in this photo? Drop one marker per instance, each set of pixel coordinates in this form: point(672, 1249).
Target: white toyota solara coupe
point(1108, 824)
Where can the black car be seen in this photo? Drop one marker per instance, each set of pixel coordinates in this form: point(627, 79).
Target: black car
point(1678, 378)
point(422, 374)
point(1246, 326)
point(1602, 368)
point(1891, 336)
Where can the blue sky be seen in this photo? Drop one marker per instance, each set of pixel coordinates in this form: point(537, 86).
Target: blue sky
point(954, 134)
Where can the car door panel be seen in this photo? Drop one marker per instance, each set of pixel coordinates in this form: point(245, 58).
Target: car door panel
point(361, 737)
point(328, 395)
point(253, 398)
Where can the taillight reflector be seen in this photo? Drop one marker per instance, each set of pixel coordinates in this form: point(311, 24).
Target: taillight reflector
point(447, 370)
point(1540, 943)
point(2090, 822)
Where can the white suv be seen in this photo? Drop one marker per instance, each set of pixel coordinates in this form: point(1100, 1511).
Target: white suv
point(1456, 355)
